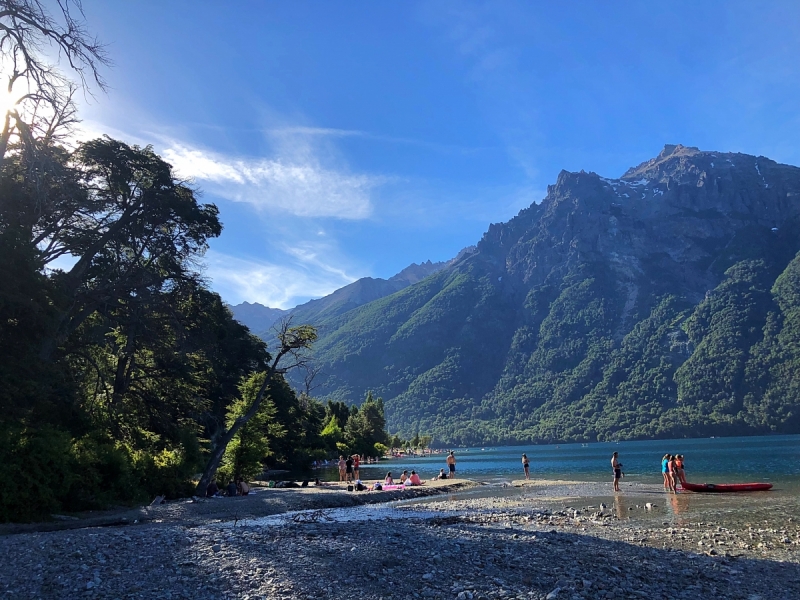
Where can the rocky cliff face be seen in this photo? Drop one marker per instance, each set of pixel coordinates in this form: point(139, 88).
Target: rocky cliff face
point(517, 334)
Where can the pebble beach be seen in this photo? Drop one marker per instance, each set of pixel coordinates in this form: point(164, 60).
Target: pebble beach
point(541, 540)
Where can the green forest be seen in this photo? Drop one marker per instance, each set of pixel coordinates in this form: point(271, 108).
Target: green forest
point(122, 375)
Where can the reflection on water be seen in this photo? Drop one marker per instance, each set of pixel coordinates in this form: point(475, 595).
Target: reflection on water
point(620, 506)
point(678, 504)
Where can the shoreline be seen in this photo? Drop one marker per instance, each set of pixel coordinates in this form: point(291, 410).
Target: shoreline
point(261, 502)
point(459, 540)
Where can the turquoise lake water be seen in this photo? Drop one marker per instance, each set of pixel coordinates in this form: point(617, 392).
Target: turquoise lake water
point(774, 459)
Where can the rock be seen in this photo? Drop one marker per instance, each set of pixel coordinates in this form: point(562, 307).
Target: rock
point(553, 595)
point(427, 576)
point(216, 548)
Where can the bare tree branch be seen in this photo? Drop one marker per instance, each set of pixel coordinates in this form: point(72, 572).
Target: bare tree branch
point(41, 95)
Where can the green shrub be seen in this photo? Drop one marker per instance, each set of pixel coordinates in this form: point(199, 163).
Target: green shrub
point(35, 468)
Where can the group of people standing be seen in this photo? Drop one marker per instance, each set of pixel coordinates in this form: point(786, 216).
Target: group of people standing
point(672, 470)
point(348, 468)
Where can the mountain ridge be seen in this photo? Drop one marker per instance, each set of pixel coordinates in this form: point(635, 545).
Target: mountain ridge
point(259, 318)
point(509, 340)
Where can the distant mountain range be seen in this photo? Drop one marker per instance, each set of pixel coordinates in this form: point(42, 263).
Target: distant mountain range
point(259, 318)
point(664, 303)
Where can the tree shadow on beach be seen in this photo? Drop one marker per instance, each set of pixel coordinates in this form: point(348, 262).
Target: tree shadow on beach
point(440, 558)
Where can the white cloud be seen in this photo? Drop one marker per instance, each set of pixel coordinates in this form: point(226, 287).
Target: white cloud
point(277, 285)
point(303, 175)
point(297, 184)
point(327, 131)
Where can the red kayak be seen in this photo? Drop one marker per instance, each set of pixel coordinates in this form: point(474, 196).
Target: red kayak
point(726, 487)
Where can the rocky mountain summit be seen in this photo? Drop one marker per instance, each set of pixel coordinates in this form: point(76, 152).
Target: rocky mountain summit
point(661, 303)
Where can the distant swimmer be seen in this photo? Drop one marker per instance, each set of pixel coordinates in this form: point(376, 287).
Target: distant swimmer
point(526, 466)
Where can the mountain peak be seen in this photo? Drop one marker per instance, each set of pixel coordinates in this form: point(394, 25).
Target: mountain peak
point(677, 149)
point(416, 272)
point(672, 153)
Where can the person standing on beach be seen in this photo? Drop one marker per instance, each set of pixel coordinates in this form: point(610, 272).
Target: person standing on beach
point(356, 465)
point(665, 472)
point(616, 466)
point(342, 468)
point(526, 466)
point(673, 472)
point(451, 464)
point(348, 469)
point(679, 469)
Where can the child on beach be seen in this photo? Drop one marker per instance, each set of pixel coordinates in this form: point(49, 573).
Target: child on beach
point(441, 475)
point(403, 477)
point(388, 479)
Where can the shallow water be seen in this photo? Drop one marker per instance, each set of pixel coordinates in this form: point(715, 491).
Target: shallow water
point(714, 460)
point(775, 459)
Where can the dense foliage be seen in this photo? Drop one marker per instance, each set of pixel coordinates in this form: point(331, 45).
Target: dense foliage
point(120, 370)
point(122, 375)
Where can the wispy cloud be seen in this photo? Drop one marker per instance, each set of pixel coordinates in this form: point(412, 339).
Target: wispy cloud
point(276, 284)
point(322, 131)
point(299, 187)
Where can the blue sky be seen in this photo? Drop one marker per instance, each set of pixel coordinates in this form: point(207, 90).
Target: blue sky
point(343, 140)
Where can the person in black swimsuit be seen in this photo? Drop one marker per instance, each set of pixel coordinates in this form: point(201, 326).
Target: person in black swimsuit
point(348, 469)
point(617, 467)
point(526, 466)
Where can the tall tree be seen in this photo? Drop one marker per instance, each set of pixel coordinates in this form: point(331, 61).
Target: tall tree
point(294, 342)
point(136, 228)
point(367, 427)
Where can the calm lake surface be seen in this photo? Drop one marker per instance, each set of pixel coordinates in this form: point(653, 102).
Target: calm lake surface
point(775, 459)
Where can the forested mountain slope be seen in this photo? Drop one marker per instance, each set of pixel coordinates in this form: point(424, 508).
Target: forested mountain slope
point(662, 303)
point(259, 318)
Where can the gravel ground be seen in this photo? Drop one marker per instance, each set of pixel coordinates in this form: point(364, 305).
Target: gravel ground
point(461, 548)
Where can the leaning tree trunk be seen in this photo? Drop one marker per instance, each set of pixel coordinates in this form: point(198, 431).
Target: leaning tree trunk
point(294, 340)
point(219, 449)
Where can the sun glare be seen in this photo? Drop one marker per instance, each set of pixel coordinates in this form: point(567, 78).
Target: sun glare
point(7, 102)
